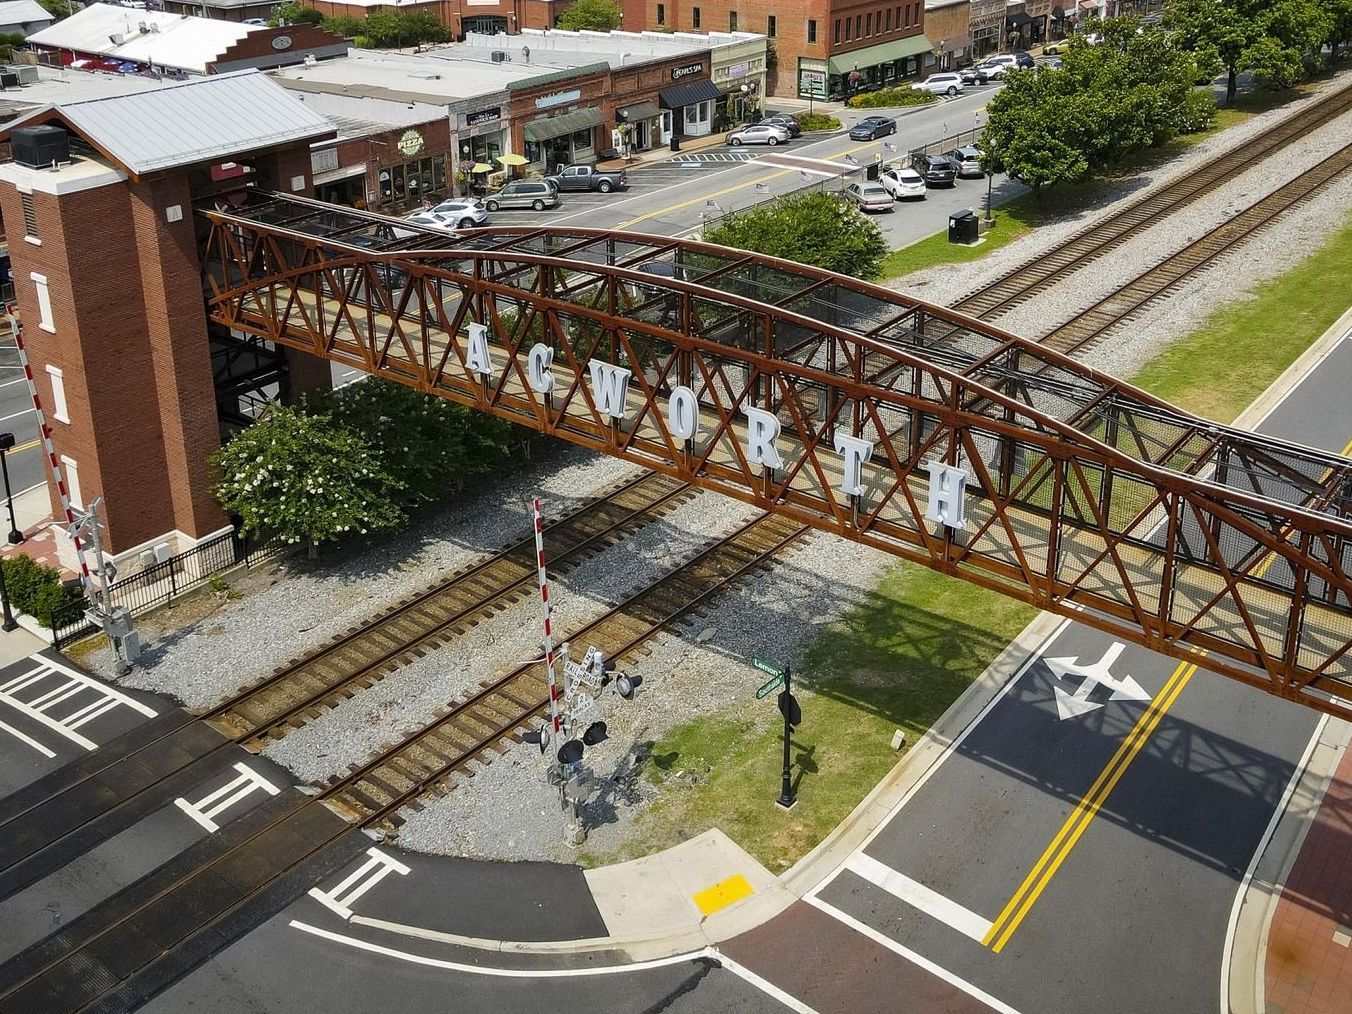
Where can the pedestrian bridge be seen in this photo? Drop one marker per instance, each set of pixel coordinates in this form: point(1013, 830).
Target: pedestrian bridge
point(858, 410)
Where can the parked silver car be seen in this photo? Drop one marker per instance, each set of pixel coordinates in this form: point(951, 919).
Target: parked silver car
point(759, 133)
point(534, 194)
point(968, 158)
point(868, 197)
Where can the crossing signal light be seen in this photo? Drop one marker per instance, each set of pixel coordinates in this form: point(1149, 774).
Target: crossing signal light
point(596, 733)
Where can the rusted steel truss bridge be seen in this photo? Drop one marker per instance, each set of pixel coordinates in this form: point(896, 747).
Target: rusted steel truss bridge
point(855, 409)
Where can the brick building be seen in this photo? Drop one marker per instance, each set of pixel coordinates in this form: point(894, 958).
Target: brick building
point(109, 286)
point(987, 26)
point(948, 25)
point(486, 17)
point(822, 48)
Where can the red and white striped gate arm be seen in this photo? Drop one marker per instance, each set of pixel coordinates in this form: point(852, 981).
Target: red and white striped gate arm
point(52, 461)
point(547, 612)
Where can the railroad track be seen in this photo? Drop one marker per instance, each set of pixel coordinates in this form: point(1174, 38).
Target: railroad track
point(1087, 328)
point(475, 727)
point(1025, 281)
point(355, 660)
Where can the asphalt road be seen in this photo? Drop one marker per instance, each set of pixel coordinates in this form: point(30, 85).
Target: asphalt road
point(671, 198)
point(27, 465)
point(1091, 862)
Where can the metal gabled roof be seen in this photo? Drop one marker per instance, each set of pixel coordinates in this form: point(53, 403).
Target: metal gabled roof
point(195, 122)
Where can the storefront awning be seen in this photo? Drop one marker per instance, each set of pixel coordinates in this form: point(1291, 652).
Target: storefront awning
point(556, 126)
point(874, 55)
point(1018, 19)
point(334, 175)
point(954, 45)
point(689, 94)
point(638, 111)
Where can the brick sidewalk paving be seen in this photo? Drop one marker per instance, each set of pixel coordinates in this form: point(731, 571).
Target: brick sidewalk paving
point(1309, 955)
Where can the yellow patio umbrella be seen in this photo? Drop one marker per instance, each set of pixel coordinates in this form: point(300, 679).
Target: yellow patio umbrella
point(481, 167)
point(512, 159)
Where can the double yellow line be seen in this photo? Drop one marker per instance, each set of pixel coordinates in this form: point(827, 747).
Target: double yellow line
point(1076, 824)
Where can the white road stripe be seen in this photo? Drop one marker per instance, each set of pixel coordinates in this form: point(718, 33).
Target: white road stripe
point(764, 985)
point(16, 415)
point(952, 747)
point(913, 957)
point(27, 739)
point(503, 973)
point(11, 383)
point(917, 895)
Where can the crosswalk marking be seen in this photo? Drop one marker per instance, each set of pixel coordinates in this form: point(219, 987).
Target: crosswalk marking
point(358, 882)
point(212, 805)
point(69, 683)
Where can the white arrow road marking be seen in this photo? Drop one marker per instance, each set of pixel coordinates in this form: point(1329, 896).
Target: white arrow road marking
point(1078, 703)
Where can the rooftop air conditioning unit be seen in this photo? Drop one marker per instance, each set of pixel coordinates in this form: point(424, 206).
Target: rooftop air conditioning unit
point(40, 147)
point(27, 75)
point(498, 56)
point(117, 38)
point(8, 79)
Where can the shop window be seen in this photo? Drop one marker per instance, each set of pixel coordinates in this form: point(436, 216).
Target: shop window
point(770, 29)
point(697, 114)
point(661, 14)
point(58, 394)
point(484, 148)
point(732, 21)
point(694, 17)
point(812, 30)
point(413, 180)
point(582, 139)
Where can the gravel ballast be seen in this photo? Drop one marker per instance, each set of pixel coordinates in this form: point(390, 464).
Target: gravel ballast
point(244, 640)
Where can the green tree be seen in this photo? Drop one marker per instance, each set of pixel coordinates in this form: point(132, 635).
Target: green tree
point(432, 446)
point(295, 13)
point(591, 16)
point(1133, 90)
point(387, 28)
point(813, 228)
point(306, 479)
point(58, 9)
point(1272, 38)
point(1340, 25)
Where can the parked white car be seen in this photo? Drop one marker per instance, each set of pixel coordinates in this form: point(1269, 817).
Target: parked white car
point(466, 212)
point(430, 220)
point(996, 66)
point(902, 183)
point(941, 84)
point(760, 133)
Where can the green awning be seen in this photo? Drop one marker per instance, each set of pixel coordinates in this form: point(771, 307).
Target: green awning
point(556, 126)
point(874, 55)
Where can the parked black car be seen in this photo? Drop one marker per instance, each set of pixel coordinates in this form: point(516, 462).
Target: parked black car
point(1024, 58)
point(786, 121)
point(873, 127)
point(935, 170)
point(973, 75)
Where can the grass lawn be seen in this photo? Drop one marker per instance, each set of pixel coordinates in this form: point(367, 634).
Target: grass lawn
point(920, 639)
point(1221, 367)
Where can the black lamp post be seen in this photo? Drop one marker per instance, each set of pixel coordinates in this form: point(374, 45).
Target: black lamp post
point(8, 623)
point(7, 442)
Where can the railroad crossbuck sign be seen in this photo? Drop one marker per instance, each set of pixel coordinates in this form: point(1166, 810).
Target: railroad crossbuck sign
point(1072, 705)
point(610, 391)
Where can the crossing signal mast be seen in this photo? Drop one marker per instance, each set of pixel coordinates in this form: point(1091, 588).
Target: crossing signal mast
point(575, 721)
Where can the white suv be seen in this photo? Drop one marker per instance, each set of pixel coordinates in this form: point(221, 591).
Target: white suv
point(941, 84)
point(996, 66)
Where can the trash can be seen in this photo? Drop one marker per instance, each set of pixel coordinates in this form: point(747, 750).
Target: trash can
point(963, 227)
point(675, 143)
point(871, 171)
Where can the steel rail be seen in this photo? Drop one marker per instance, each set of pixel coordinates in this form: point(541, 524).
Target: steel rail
point(239, 716)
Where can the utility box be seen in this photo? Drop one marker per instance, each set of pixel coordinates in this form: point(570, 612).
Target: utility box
point(871, 171)
point(963, 227)
point(675, 143)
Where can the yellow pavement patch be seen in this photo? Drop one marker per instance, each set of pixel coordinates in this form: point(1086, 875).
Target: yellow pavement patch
point(723, 894)
point(1045, 868)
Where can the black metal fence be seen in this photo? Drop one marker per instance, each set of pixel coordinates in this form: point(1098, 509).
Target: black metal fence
point(161, 583)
